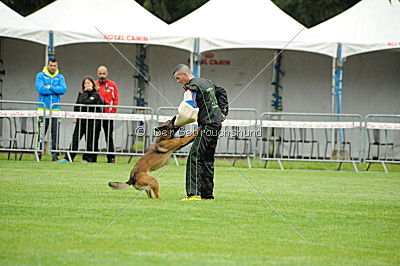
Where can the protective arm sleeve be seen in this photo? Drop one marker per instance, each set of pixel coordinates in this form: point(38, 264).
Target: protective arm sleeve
point(187, 110)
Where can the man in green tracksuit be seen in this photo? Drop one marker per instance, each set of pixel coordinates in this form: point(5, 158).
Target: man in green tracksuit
point(209, 103)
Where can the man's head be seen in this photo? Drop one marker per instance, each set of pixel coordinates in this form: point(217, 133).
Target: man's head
point(182, 74)
point(52, 65)
point(102, 73)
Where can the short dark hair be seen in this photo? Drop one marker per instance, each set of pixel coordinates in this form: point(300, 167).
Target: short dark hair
point(53, 60)
point(181, 68)
point(91, 80)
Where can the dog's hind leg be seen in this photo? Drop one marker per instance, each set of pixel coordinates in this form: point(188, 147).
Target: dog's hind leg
point(149, 183)
point(156, 189)
point(148, 191)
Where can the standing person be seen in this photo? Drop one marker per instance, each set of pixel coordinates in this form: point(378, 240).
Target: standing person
point(202, 94)
point(50, 85)
point(90, 128)
point(108, 91)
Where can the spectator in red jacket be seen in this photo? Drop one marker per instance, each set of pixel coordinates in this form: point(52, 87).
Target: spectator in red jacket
point(108, 91)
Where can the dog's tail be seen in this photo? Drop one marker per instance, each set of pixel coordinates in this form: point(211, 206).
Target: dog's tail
point(124, 185)
point(118, 185)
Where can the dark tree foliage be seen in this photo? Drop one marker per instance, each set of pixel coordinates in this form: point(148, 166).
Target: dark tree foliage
point(26, 7)
point(171, 10)
point(307, 12)
point(311, 12)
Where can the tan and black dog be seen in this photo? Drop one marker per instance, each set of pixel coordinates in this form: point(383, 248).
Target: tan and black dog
point(154, 158)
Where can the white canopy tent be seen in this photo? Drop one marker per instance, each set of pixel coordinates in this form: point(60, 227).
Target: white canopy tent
point(13, 25)
point(226, 24)
point(223, 25)
point(370, 25)
point(228, 28)
point(121, 21)
point(21, 43)
point(81, 48)
point(80, 51)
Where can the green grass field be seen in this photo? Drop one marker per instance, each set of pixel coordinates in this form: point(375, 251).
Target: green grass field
point(52, 212)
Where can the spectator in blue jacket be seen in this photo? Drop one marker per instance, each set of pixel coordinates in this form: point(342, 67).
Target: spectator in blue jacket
point(50, 85)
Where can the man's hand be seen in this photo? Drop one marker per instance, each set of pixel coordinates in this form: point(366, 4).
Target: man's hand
point(223, 118)
point(47, 86)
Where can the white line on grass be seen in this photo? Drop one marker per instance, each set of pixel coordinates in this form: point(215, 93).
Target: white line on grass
point(265, 199)
point(129, 204)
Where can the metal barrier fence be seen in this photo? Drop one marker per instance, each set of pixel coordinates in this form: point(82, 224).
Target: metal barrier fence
point(238, 134)
point(310, 137)
point(22, 127)
point(275, 137)
point(382, 143)
point(130, 130)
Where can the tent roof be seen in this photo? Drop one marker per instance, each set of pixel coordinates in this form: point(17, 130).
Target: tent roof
point(227, 24)
point(124, 21)
point(13, 25)
point(369, 25)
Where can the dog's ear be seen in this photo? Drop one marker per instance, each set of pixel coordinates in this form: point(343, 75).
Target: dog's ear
point(160, 128)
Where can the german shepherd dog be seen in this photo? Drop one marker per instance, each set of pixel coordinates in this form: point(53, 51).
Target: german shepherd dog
point(154, 158)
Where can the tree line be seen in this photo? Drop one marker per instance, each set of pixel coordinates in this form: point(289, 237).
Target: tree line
point(307, 12)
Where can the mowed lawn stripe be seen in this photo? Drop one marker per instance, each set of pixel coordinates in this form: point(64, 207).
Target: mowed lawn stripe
point(50, 214)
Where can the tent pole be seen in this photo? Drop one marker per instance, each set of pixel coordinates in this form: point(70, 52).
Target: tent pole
point(50, 49)
point(333, 93)
point(142, 75)
point(277, 104)
point(338, 85)
point(195, 58)
point(333, 99)
point(191, 61)
point(46, 55)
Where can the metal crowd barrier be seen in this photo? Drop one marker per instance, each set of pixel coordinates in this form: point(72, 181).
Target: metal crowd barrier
point(131, 128)
point(237, 138)
point(310, 137)
point(239, 135)
point(22, 127)
point(382, 143)
point(277, 136)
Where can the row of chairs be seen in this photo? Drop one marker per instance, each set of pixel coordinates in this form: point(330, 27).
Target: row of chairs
point(295, 137)
point(25, 130)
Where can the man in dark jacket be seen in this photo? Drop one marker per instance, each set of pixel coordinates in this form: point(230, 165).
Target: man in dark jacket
point(90, 128)
point(211, 107)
